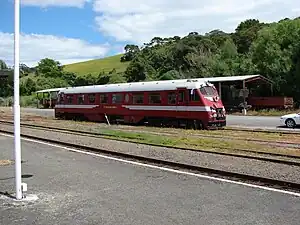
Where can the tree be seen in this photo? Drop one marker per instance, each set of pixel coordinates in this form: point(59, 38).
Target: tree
point(276, 54)
point(25, 70)
point(136, 71)
point(6, 85)
point(130, 52)
point(246, 33)
point(28, 86)
point(49, 68)
point(218, 37)
point(3, 65)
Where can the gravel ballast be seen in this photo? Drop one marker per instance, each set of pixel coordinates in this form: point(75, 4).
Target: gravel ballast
point(251, 167)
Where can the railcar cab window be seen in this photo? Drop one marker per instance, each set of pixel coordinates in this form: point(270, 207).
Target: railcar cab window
point(117, 98)
point(138, 98)
point(103, 98)
point(92, 98)
point(80, 99)
point(61, 98)
point(172, 98)
point(154, 98)
point(194, 96)
point(208, 91)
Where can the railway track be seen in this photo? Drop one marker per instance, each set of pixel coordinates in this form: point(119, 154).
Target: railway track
point(218, 173)
point(286, 144)
point(236, 152)
point(289, 144)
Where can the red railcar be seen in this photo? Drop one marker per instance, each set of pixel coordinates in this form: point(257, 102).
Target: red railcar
point(191, 103)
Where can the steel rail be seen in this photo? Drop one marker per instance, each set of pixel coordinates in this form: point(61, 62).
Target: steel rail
point(112, 137)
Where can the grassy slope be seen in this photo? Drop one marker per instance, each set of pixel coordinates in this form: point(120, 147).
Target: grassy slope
point(94, 67)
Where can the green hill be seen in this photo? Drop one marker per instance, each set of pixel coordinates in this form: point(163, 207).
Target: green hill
point(94, 67)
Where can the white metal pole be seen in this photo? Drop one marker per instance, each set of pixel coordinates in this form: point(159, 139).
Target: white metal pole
point(17, 113)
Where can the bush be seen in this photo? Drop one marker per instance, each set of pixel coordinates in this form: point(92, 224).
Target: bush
point(28, 101)
point(8, 101)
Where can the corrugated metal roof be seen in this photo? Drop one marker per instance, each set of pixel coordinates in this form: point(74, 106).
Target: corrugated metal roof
point(230, 78)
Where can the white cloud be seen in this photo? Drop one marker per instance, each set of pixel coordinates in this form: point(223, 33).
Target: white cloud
point(139, 20)
point(61, 3)
point(34, 47)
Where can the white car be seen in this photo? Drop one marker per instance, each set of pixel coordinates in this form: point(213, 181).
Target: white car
point(291, 120)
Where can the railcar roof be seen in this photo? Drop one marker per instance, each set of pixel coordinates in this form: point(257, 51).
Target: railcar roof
point(137, 86)
point(50, 90)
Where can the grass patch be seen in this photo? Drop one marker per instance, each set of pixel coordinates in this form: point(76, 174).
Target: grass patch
point(211, 144)
point(96, 66)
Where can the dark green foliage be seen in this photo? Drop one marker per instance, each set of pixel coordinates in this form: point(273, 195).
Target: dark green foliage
point(3, 65)
point(272, 50)
point(275, 52)
point(6, 85)
point(130, 52)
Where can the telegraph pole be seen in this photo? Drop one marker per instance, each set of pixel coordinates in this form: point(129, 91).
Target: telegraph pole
point(17, 125)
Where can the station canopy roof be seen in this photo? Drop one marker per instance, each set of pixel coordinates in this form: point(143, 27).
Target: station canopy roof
point(246, 78)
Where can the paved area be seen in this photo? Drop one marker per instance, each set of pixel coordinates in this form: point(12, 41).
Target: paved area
point(253, 121)
point(75, 188)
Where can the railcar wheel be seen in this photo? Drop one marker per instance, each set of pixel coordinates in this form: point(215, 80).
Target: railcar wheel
point(197, 125)
point(200, 125)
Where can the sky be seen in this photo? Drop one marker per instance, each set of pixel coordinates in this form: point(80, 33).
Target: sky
point(78, 30)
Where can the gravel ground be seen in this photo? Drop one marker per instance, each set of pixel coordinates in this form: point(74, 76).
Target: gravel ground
point(208, 160)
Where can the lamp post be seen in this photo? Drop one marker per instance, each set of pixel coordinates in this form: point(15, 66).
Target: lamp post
point(17, 126)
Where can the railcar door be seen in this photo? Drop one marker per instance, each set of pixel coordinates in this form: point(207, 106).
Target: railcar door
point(181, 102)
point(182, 112)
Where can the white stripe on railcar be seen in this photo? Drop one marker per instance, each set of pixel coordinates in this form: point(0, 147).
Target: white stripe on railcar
point(169, 108)
point(75, 106)
point(144, 107)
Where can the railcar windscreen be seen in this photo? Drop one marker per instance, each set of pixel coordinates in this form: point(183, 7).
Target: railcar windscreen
point(208, 91)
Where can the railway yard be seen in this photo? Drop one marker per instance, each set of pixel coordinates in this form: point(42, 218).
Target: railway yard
point(264, 158)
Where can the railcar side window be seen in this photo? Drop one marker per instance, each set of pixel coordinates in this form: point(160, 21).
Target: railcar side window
point(103, 98)
point(92, 98)
point(138, 98)
point(117, 98)
point(80, 99)
point(194, 97)
point(181, 96)
point(154, 98)
point(70, 99)
point(172, 98)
